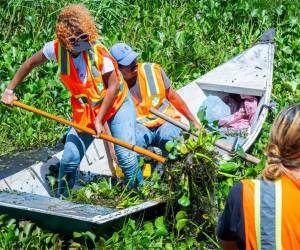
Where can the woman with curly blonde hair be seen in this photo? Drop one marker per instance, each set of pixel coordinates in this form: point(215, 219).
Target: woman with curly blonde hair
point(265, 213)
point(99, 94)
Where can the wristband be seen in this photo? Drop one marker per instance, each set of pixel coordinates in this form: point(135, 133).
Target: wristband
point(9, 91)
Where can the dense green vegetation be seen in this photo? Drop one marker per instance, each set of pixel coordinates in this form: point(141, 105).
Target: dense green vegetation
point(187, 38)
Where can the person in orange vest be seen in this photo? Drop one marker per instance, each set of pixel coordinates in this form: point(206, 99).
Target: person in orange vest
point(265, 213)
point(99, 94)
point(150, 86)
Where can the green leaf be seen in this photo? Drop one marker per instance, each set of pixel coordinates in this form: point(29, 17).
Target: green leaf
point(88, 193)
point(2, 217)
point(115, 237)
point(148, 226)
point(260, 166)
point(77, 234)
point(168, 246)
point(291, 85)
point(159, 222)
point(10, 222)
point(172, 156)
point(48, 239)
point(156, 185)
point(29, 132)
point(183, 149)
point(91, 235)
point(181, 215)
point(201, 115)
point(250, 172)
point(27, 228)
point(184, 201)
point(141, 161)
point(228, 167)
point(190, 242)
point(169, 146)
point(52, 180)
point(54, 238)
point(161, 232)
point(240, 151)
point(74, 245)
point(131, 223)
point(161, 229)
point(180, 224)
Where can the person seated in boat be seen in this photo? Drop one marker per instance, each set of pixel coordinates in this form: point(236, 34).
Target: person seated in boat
point(99, 94)
point(150, 87)
point(264, 213)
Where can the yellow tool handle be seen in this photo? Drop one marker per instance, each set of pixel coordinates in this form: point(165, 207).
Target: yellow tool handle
point(92, 132)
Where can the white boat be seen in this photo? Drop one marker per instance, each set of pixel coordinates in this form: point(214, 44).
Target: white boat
point(249, 73)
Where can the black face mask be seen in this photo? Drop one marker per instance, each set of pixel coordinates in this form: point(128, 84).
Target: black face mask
point(81, 46)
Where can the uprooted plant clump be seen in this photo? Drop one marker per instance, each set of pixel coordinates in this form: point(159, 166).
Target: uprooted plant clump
point(189, 177)
point(187, 185)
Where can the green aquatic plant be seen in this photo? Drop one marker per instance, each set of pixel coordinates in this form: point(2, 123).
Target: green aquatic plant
point(192, 183)
point(102, 192)
point(188, 38)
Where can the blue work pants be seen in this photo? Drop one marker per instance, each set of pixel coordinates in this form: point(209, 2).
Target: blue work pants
point(122, 126)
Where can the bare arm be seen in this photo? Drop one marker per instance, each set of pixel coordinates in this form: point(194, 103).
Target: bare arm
point(37, 59)
point(112, 90)
point(181, 106)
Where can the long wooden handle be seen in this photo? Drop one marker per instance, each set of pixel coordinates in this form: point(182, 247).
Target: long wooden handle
point(92, 132)
point(224, 146)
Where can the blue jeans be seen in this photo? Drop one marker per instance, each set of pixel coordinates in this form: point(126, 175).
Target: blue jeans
point(157, 136)
point(122, 126)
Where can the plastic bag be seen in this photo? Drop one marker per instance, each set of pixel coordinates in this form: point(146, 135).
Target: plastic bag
point(215, 109)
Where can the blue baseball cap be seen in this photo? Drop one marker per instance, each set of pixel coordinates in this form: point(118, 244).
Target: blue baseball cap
point(123, 54)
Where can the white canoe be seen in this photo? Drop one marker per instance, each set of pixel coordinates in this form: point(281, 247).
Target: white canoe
point(249, 73)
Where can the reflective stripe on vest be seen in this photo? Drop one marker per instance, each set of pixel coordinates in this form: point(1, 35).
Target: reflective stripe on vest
point(267, 213)
point(152, 84)
point(83, 100)
point(93, 62)
point(152, 89)
point(63, 60)
point(163, 108)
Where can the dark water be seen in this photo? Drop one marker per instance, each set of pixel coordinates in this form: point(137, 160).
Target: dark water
point(15, 162)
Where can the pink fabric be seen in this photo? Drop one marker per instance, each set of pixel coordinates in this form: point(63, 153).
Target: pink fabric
point(242, 113)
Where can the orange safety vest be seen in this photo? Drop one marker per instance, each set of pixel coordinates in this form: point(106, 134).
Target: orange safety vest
point(87, 98)
point(152, 89)
point(272, 214)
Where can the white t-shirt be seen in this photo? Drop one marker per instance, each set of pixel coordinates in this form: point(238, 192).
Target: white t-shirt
point(79, 62)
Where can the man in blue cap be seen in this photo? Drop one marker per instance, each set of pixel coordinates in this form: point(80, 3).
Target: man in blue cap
point(150, 86)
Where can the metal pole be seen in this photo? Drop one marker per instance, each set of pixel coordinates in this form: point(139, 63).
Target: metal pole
point(224, 146)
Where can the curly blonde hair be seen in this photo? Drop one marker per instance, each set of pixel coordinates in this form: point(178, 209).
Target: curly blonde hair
point(75, 19)
point(283, 150)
